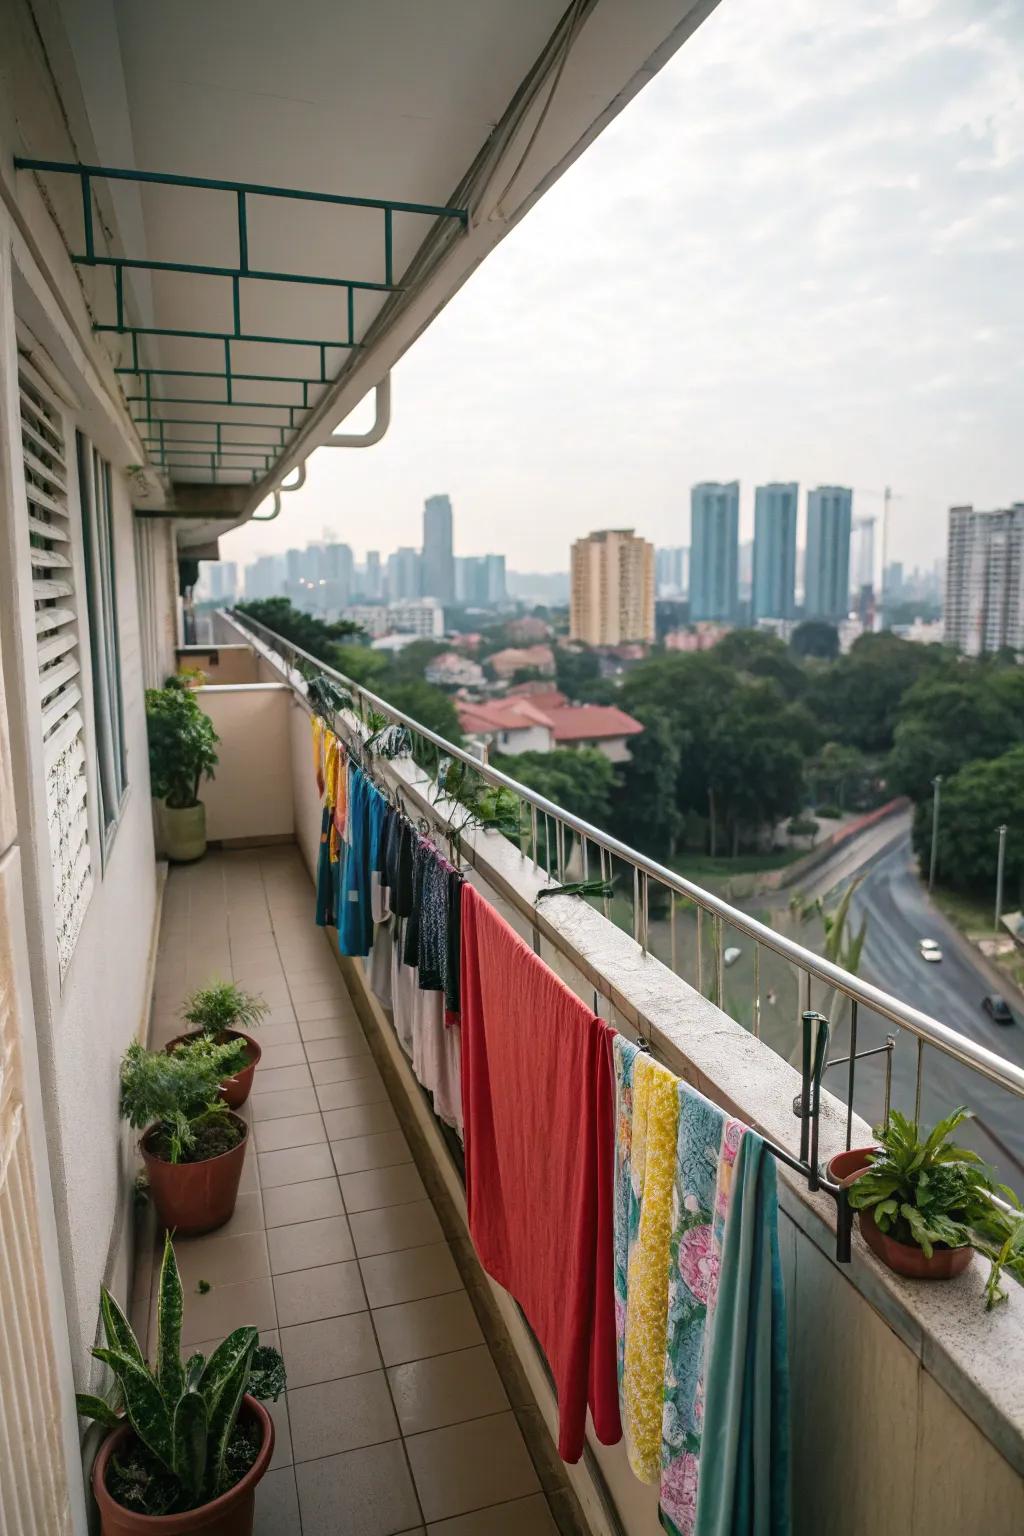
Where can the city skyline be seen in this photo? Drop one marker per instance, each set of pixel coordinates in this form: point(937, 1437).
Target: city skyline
point(891, 138)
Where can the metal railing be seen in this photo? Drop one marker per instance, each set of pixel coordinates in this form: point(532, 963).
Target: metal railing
point(554, 851)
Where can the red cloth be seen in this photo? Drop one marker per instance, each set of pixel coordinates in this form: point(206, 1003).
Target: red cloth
point(537, 1101)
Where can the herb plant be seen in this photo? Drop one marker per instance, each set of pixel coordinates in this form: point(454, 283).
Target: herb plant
point(190, 1445)
point(182, 744)
point(179, 1093)
point(221, 1007)
point(929, 1192)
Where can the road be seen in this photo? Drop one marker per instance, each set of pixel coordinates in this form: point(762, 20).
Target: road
point(899, 915)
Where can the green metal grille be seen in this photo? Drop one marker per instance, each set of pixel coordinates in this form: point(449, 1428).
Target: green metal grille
point(147, 407)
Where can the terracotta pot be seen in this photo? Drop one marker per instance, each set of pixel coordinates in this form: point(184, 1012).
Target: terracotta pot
point(195, 1197)
point(230, 1515)
point(846, 1167)
point(907, 1259)
point(234, 1090)
point(184, 832)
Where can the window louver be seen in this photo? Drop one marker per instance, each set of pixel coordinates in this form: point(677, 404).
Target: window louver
point(56, 623)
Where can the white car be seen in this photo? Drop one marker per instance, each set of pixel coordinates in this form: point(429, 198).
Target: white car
point(930, 951)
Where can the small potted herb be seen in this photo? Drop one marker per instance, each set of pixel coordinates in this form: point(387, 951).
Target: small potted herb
point(189, 1440)
point(925, 1204)
point(182, 751)
point(222, 1012)
point(193, 1145)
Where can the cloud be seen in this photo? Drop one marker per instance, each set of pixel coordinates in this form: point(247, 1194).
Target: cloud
point(795, 255)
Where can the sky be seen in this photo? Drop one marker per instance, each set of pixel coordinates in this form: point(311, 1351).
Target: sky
point(798, 254)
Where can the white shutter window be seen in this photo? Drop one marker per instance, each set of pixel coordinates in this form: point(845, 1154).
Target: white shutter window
point(56, 622)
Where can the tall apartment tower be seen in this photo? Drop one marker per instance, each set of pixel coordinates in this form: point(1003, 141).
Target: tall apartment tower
point(714, 550)
point(373, 580)
point(612, 588)
point(985, 580)
point(438, 560)
point(827, 559)
point(775, 513)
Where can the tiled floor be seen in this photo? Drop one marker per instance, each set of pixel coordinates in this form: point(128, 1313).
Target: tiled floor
point(400, 1415)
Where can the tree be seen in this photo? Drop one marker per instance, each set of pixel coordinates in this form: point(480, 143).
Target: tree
point(976, 801)
point(839, 770)
point(320, 639)
point(815, 638)
point(424, 703)
point(582, 782)
point(857, 699)
point(945, 724)
point(646, 812)
point(575, 670)
point(757, 654)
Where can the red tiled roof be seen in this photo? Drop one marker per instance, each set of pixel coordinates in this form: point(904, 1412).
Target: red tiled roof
point(591, 722)
point(500, 715)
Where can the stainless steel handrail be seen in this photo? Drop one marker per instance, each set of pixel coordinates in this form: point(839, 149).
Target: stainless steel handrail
point(945, 1039)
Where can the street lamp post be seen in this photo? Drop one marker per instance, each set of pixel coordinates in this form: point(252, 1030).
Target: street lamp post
point(1000, 863)
point(936, 787)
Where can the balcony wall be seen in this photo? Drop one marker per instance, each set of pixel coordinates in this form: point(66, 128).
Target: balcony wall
point(905, 1414)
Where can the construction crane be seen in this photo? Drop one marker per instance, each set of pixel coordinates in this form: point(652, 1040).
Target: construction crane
point(888, 495)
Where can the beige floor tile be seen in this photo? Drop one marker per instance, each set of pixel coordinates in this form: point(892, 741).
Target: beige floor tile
point(446, 1389)
point(279, 1034)
point(409, 1274)
point(311, 987)
point(394, 1227)
point(468, 1466)
point(306, 1295)
point(341, 1415)
point(325, 1350)
point(338, 1006)
point(289, 1131)
point(332, 1025)
point(382, 1186)
point(268, 1080)
point(418, 1329)
point(302, 1202)
point(247, 1217)
point(523, 1517)
point(356, 1091)
point(308, 1244)
point(221, 1260)
point(278, 1411)
point(336, 1048)
point(280, 1013)
point(249, 1183)
point(275, 1105)
point(342, 1069)
point(360, 1154)
point(372, 1486)
point(295, 1165)
point(360, 1120)
point(249, 1303)
point(277, 1505)
point(276, 1056)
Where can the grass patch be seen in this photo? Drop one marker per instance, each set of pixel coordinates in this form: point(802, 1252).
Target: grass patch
point(693, 865)
point(975, 917)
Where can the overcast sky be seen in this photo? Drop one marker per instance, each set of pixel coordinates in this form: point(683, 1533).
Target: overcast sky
point(796, 255)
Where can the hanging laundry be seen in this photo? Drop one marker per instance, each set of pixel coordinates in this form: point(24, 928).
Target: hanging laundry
point(328, 879)
point(317, 726)
point(646, 1121)
point(355, 919)
point(537, 1104)
point(452, 960)
point(724, 1428)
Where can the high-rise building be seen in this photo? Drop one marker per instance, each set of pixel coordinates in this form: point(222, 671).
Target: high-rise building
point(714, 550)
point(612, 591)
point(775, 515)
point(672, 571)
point(405, 575)
point(438, 561)
point(985, 580)
point(480, 580)
point(827, 558)
point(373, 576)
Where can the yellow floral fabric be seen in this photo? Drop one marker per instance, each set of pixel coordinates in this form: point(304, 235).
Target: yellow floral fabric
point(652, 1172)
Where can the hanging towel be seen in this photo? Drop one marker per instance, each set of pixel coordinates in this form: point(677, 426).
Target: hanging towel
point(537, 1106)
point(717, 1350)
point(646, 1120)
point(355, 919)
point(317, 726)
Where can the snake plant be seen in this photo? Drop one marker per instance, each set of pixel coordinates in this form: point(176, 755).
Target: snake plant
point(185, 1413)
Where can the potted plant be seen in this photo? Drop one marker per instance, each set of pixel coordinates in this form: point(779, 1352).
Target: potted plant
point(193, 1145)
point(189, 1440)
point(221, 1012)
point(182, 751)
point(925, 1204)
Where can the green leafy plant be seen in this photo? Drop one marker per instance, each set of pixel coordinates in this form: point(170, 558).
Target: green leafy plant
point(178, 1094)
point(928, 1192)
point(182, 744)
point(191, 1447)
point(223, 1006)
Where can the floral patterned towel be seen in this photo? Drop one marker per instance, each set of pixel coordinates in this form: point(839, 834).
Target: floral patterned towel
point(647, 1110)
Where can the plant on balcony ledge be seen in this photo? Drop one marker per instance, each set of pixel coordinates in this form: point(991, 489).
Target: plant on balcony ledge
point(193, 1145)
point(187, 1437)
point(222, 1012)
point(182, 751)
point(926, 1203)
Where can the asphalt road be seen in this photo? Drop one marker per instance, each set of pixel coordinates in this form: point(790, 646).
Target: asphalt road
point(899, 915)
